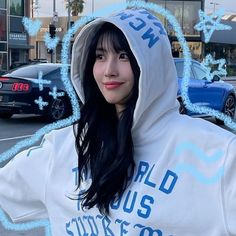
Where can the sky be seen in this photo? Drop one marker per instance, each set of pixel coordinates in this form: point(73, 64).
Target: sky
point(228, 5)
point(46, 6)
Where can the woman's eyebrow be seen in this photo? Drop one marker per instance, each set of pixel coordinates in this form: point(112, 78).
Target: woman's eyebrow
point(101, 50)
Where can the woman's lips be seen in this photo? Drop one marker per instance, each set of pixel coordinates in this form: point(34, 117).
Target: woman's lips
point(112, 85)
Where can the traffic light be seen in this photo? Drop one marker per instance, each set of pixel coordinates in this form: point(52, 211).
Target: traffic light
point(52, 30)
point(49, 51)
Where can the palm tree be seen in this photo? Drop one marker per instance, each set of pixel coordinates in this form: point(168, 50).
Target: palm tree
point(76, 6)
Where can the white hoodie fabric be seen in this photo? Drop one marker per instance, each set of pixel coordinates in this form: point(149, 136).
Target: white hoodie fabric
point(184, 182)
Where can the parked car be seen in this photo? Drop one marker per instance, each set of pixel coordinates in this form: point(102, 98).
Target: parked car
point(17, 65)
point(19, 91)
point(215, 94)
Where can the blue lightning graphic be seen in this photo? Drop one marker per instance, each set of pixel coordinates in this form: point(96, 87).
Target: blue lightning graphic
point(51, 43)
point(199, 154)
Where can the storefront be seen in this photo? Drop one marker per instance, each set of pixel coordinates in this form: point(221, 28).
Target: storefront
point(223, 44)
point(18, 46)
point(14, 42)
point(186, 13)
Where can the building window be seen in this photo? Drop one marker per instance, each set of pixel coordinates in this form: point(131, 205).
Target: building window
point(176, 8)
point(16, 25)
point(3, 26)
point(17, 7)
point(3, 47)
point(162, 4)
point(190, 17)
point(3, 61)
point(3, 4)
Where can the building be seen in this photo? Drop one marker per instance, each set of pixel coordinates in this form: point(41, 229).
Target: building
point(14, 41)
point(223, 44)
point(186, 13)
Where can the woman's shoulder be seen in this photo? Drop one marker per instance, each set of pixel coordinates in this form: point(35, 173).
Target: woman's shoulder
point(201, 129)
point(61, 133)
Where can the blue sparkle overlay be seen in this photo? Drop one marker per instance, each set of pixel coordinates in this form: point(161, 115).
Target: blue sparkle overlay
point(208, 61)
point(40, 102)
point(73, 98)
point(31, 26)
point(199, 154)
point(209, 23)
point(51, 43)
point(55, 94)
point(40, 81)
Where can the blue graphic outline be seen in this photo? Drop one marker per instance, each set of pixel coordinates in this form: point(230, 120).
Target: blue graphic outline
point(50, 43)
point(213, 23)
point(209, 60)
point(31, 26)
point(75, 104)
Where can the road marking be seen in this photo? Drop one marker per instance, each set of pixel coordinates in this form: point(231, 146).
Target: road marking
point(19, 137)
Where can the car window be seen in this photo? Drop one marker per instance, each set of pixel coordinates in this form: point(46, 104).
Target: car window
point(55, 74)
point(32, 71)
point(200, 73)
point(180, 69)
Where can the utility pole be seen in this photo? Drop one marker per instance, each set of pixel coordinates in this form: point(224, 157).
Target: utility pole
point(92, 7)
point(68, 27)
point(68, 12)
point(53, 54)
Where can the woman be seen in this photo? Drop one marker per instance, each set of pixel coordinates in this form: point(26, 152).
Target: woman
point(122, 169)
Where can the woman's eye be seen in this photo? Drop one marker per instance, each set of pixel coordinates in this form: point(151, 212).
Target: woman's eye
point(99, 57)
point(124, 55)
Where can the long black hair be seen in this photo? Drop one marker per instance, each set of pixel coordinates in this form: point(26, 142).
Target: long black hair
point(104, 141)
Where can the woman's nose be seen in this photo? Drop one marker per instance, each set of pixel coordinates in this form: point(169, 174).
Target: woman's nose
point(111, 68)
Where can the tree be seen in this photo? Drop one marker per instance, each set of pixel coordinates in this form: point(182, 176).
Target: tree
point(76, 6)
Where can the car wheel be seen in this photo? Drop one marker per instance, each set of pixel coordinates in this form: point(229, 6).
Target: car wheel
point(228, 109)
point(4, 115)
point(182, 108)
point(58, 109)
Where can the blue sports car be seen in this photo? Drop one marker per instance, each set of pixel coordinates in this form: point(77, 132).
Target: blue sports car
point(215, 94)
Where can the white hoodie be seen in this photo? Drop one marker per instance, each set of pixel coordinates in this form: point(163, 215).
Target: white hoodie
point(184, 182)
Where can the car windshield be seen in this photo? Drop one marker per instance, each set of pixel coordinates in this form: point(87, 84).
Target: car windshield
point(180, 69)
point(32, 71)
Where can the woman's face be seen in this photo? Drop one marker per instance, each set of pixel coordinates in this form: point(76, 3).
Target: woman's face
point(113, 74)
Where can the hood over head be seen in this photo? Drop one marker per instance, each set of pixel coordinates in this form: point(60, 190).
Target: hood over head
point(150, 45)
